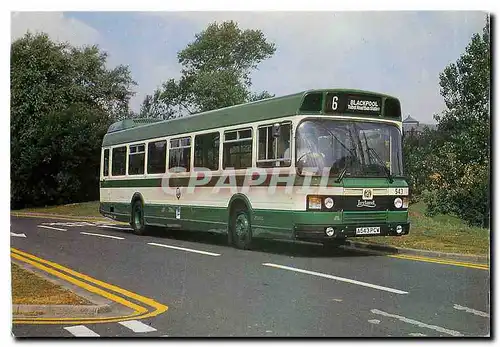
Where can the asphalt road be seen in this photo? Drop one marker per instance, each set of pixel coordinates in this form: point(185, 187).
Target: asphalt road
point(278, 289)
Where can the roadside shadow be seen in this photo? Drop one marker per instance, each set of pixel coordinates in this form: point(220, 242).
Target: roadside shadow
point(308, 250)
point(287, 248)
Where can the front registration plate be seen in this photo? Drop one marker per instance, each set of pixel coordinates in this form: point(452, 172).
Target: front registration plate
point(368, 231)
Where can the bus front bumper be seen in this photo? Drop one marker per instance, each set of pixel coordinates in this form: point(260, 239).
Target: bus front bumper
point(342, 231)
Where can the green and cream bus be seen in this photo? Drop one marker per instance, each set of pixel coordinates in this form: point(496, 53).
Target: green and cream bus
point(320, 165)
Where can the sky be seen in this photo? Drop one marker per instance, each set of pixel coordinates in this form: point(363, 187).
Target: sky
point(397, 53)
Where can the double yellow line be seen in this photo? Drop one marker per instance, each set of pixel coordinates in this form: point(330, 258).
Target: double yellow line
point(442, 261)
point(152, 308)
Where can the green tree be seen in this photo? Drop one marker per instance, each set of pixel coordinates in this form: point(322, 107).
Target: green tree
point(63, 99)
point(216, 69)
point(462, 154)
point(465, 87)
point(418, 151)
point(155, 106)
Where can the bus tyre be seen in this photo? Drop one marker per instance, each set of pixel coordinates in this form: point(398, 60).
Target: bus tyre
point(138, 226)
point(241, 229)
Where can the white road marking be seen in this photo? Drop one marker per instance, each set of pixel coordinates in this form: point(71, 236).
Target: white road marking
point(101, 235)
point(184, 249)
point(471, 310)
point(342, 279)
point(81, 331)
point(47, 227)
point(416, 334)
point(113, 227)
point(137, 327)
point(71, 224)
point(17, 235)
point(374, 321)
point(417, 323)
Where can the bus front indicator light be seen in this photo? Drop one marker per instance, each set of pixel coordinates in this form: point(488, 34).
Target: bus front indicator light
point(314, 202)
point(405, 202)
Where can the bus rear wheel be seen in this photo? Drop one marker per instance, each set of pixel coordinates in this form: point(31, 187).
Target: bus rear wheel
point(137, 220)
point(241, 229)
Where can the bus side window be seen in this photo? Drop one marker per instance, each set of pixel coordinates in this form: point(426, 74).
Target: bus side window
point(118, 160)
point(179, 157)
point(237, 149)
point(105, 170)
point(157, 153)
point(274, 151)
point(136, 159)
point(206, 151)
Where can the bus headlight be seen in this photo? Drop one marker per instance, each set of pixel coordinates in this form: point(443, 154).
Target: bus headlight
point(314, 202)
point(398, 203)
point(329, 203)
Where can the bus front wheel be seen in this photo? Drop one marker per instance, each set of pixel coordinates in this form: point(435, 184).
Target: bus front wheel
point(137, 222)
point(240, 228)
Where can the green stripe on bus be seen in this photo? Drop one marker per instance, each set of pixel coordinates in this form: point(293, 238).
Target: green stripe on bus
point(298, 181)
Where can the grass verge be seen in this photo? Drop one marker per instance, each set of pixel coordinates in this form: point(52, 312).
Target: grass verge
point(31, 289)
point(443, 233)
point(90, 208)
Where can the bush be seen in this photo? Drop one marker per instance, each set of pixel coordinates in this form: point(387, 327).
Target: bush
point(468, 198)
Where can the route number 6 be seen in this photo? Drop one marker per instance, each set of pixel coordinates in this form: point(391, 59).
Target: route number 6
point(334, 102)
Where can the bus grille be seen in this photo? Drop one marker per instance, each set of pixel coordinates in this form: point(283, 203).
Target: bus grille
point(365, 217)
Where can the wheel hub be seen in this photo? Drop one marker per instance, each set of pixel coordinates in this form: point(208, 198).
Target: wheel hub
point(242, 226)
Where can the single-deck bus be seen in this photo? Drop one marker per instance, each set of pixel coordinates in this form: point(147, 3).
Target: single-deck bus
point(320, 165)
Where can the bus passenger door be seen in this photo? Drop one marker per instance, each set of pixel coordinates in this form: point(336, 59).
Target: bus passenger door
point(106, 196)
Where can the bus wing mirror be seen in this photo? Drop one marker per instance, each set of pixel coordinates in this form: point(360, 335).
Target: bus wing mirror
point(276, 130)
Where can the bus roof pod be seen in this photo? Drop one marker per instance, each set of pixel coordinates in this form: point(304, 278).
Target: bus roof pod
point(130, 123)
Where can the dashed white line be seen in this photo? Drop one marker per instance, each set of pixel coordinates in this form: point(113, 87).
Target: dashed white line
point(113, 227)
point(471, 310)
point(342, 279)
point(374, 321)
point(102, 235)
point(137, 327)
point(417, 334)
point(47, 227)
point(417, 323)
point(184, 249)
point(81, 331)
point(71, 224)
point(17, 235)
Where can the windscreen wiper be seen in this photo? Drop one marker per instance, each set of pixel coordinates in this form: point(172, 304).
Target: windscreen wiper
point(342, 174)
point(335, 137)
point(381, 162)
